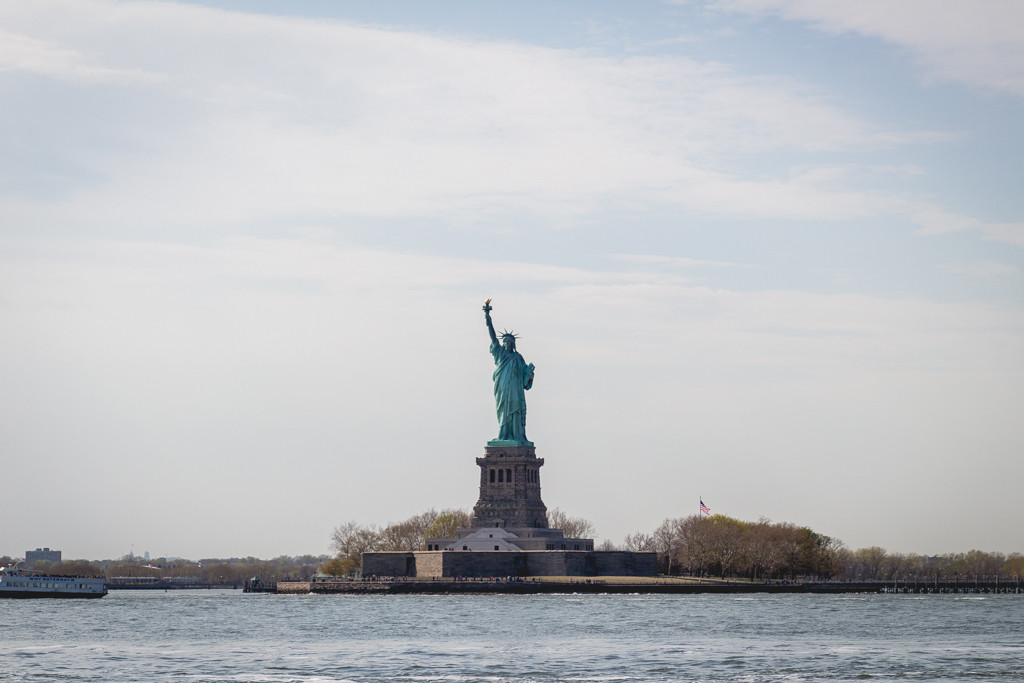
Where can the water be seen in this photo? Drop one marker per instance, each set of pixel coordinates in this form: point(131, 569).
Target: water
point(214, 636)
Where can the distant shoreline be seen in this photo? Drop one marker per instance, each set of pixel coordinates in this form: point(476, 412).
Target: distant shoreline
point(627, 586)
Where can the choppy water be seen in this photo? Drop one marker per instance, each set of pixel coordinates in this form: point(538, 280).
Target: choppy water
point(229, 636)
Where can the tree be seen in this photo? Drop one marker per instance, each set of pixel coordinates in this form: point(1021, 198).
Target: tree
point(980, 563)
point(411, 533)
point(405, 535)
point(572, 527)
point(685, 543)
point(76, 568)
point(696, 550)
point(869, 563)
point(823, 554)
point(639, 542)
point(666, 543)
point(908, 566)
point(762, 549)
point(338, 566)
point(1014, 566)
point(352, 539)
point(792, 542)
point(726, 541)
point(447, 523)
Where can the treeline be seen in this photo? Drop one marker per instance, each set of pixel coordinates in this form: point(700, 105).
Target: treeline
point(211, 571)
point(727, 547)
point(700, 546)
point(221, 571)
point(876, 564)
point(763, 551)
point(351, 539)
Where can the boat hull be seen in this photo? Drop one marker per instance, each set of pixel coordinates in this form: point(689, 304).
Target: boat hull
point(27, 594)
point(25, 584)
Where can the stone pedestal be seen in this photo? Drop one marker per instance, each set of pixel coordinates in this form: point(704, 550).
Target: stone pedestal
point(510, 488)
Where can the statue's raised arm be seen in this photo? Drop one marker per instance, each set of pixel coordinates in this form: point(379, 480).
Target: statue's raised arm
point(490, 325)
point(512, 377)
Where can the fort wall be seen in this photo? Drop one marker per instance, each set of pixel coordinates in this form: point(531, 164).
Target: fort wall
point(452, 563)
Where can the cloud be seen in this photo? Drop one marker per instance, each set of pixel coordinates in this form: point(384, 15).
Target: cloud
point(980, 269)
point(938, 222)
point(656, 260)
point(26, 54)
point(977, 42)
point(240, 117)
point(1010, 233)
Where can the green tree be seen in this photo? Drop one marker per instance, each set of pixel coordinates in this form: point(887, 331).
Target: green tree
point(447, 523)
point(339, 566)
point(410, 534)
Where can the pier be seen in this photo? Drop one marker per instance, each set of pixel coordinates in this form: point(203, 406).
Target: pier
point(256, 585)
point(165, 583)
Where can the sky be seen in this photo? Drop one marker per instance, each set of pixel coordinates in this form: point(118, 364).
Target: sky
point(764, 253)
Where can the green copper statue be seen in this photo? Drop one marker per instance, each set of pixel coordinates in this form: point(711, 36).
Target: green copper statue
point(512, 377)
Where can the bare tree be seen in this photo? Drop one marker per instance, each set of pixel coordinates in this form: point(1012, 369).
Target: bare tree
point(696, 543)
point(1014, 566)
point(352, 539)
point(572, 527)
point(726, 542)
point(639, 542)
point(762, 549)
point(669, 542)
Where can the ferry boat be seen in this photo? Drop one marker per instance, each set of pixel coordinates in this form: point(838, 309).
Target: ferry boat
point(28, 583)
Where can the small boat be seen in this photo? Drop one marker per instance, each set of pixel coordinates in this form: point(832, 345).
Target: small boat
point(28, 583)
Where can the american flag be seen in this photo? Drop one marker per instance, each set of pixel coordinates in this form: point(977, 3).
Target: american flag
point(704, 508)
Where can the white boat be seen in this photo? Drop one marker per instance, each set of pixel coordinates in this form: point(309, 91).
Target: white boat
point(28, 583)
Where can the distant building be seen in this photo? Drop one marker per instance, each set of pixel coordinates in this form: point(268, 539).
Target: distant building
point(42, 555)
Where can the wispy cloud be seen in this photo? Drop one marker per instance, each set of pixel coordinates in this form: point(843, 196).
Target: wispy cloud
point(977, 42)
point(654, 260)
point(938, 222)
point(979, 269)
point(286, 117)
point(26, 54)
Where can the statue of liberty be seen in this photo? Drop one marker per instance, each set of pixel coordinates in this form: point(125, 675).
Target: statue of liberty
point(512, 377)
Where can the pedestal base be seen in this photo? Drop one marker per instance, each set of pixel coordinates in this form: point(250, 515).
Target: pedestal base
point(510, 487)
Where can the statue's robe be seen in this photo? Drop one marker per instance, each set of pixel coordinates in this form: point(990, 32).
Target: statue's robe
point(512, 377)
